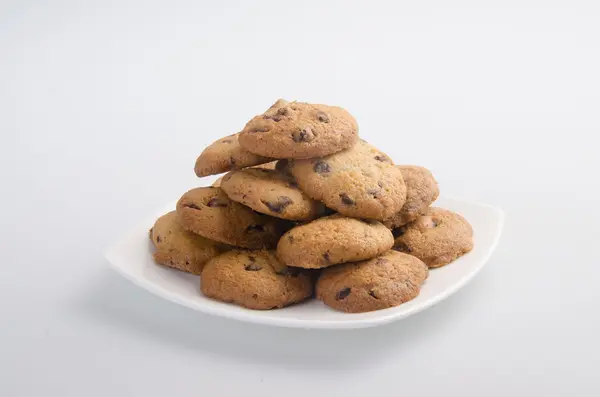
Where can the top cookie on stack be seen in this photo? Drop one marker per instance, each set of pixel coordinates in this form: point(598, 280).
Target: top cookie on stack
point(297, 130)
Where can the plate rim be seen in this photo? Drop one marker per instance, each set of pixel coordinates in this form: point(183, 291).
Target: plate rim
point(287, 322)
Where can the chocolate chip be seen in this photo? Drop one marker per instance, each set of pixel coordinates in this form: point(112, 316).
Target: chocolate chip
point(278, 206)
point(232, 161)
point(399, 231)
point(255, 296)
point(251, 258)
point(290, 238)
point(276, 118)
point(372, 293)
point(342, 293)
point(327, 258)
point(252, 267)
point(192, 206)
point(293, 184)
point(226, 141)
point(255, 228)
point(402, 248)
point(283, 111)
point(382, 157)
point(323, 117)
point(346, 199)
point(158, 239)
point(305, 134)
point(215, 202)
point(321, 167)
point(187, 263)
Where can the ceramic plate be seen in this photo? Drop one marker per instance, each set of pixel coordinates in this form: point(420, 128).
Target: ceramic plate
point(132, 257)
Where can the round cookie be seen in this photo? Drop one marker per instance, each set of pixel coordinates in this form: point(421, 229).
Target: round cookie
point(359, 182)
point(421, 190)
point(180, 249)
point(379, 283)
point(271, 192)
point(333, 239)
point(208, 211)
point(267, 166)
point(437, 238)
point(297, 130)
point(224, 155)
point(254, 279)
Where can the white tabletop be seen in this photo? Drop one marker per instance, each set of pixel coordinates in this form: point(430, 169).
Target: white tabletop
point(104, 107)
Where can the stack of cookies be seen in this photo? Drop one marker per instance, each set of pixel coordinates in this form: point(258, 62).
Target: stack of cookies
point(309, 209)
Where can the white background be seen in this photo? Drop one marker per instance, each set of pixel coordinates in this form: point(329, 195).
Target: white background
point(105, 105)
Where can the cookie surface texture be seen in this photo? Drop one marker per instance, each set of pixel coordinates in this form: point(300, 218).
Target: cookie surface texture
point(333, 239)
point(208, 211)
point(437, 238)
point(180, 249)
point(421, 190)
point(297, 130)
point(359, 182)
point(224, 155)
point(271, 192)
point(254, 279)
point(379, 283)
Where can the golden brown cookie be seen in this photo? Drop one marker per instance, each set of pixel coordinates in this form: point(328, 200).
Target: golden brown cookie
point(421, 190)
point(208, 211)
point(297, 130)
point(360, 182)
point(180, 249)
point(437, 238)
point(224, 155)
point(271, 192)
point(333, 239)
point(254, 279)
point(379, 283)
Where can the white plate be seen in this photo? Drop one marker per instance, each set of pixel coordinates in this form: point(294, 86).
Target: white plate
point(132, 257)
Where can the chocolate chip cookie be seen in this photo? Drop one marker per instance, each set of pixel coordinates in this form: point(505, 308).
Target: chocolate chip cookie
point(297, 130)
point(208, 211)
point(437, 238)
point(254, 279)
point(379, 283)
point(359, 182)
point(224, 155)
point(421, 190)
point(180, 249)
point(333, 239)
point(271, 192)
